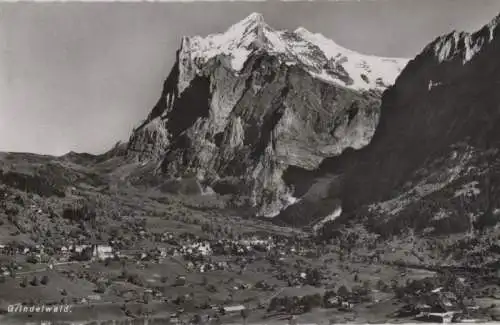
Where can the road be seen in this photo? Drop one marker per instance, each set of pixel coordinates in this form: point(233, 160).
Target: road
point(47, 268)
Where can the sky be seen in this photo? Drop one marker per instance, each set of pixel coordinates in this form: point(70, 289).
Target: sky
point(80, 76)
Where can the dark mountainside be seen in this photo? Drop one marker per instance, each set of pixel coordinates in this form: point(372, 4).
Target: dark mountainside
point(444, 106)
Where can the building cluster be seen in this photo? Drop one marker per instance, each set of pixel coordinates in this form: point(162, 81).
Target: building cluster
point(439, 306)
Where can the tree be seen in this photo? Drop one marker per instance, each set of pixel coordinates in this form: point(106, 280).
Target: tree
point(205, 227)
point(101, 287)
point(24, 282)
point(32, 259)
point(273, 304)
point(12, 271)
point(35, 282)
point(343, 292)
point(197, 319)
point(147, 297)
point(367, 284)
point(45, 280)
point(313, 277)
point(244, 315)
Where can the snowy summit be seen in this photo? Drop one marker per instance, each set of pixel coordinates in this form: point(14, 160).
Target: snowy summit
point(320, 56)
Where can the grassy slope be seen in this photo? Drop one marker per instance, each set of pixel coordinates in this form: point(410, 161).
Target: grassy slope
point(120, 206)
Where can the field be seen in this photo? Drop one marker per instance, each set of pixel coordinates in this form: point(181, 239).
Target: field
point(158, 270)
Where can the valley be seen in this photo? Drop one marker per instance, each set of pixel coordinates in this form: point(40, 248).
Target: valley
point(279, 178)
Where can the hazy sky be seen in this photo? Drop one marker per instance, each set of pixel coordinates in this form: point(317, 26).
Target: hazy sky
point(81, 76)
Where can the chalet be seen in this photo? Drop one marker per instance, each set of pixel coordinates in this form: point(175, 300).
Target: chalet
point(438, 313)
point(205, 267)
point(220, 248)
point(346, 306)
point(102, 252)
point(180, 280)
point(409, 311)
point(94, 297)
point(333, 301)
point(436, 317)
point(197, 248)
point(233, 309)
point(79, 249)
point(94, 252)
point(256, 244)
point(162, 252)
point(448, 299)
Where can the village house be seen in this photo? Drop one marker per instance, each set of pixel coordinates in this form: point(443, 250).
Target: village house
point(256, 244)
point(180, 280)
point(197, 248)
point(206, 267)
point(79, 249)
point(220, 247)
point(102, 252)
point(442, 311)
point(98, 252)
point(232, 309)
point(162, 252)
point(4, 271)
point(334, 301)
point(436, 317)
point(94, 297)
point(346, 305)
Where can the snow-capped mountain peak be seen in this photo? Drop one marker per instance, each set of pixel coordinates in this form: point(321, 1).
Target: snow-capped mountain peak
point(366, 71)
point(315, 53)
point(254, 18)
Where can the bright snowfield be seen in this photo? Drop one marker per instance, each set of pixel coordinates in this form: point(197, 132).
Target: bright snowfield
point(320, 56)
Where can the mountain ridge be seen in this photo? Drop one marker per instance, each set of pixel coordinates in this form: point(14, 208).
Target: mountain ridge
point(438, 103)
point(253, 33)
point(285, 102)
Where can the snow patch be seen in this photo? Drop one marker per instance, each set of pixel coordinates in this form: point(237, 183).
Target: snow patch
point(239, 57)
point(433, 84)
point(314, 51)
point(331, 217)
point(364, 70)
point(468, 190)
point(440, 215)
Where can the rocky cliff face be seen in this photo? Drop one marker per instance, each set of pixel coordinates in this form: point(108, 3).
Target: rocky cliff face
point(241, 107)
point(437, 133)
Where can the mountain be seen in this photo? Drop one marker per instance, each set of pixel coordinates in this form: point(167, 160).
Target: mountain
point(432, 164)
point(242, 107)
point(393, 192)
